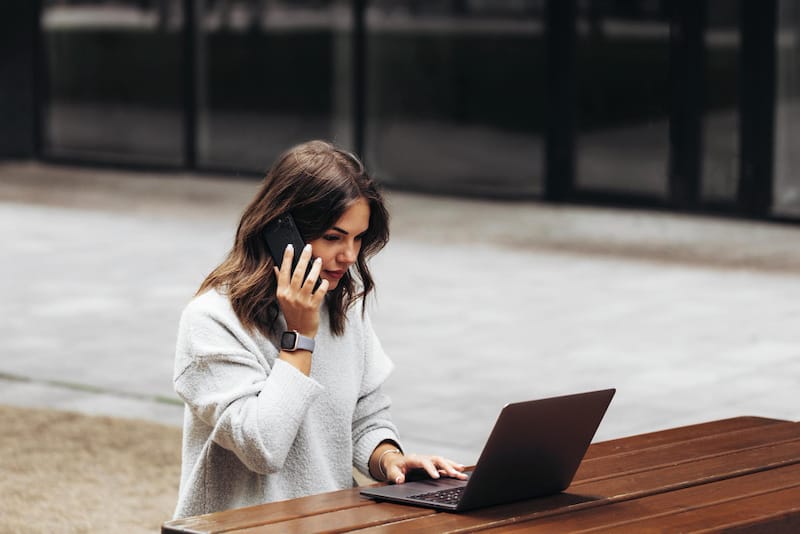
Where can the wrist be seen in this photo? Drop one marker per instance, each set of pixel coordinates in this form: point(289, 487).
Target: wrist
point(299, 359)
point(292, 340)
point(307, 332)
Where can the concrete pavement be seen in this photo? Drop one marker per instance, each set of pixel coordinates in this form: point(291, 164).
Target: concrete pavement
point(479, 303)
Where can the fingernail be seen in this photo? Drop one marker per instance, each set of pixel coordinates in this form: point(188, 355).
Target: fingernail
point(318, 260)
point(307, 247)
point(289, 247)
point(399, 479)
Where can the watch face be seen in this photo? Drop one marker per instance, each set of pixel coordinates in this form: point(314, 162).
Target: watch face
point(289, 340)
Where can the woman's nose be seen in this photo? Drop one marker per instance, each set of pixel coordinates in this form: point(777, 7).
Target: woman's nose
point(349, 253)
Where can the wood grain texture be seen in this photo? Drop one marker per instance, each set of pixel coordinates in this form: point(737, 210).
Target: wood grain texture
point(657, 509)
point(690, 477)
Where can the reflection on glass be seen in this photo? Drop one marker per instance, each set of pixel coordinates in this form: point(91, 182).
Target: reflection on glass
point(720, 167)
point(113, 85)
point(271, 73)
point(455, 94)
point(622, 139)
point(787, 116)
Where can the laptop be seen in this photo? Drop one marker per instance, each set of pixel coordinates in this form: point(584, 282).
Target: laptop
point(534, 449)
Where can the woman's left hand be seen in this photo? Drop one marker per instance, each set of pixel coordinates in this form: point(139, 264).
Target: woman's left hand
point(396, 466)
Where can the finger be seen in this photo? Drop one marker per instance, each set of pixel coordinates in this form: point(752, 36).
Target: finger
point(300, 268)
point(452, 469)
point(429, 467)
point(319, 294)
point(448, 463)
point(286, 266)
point(313, 274)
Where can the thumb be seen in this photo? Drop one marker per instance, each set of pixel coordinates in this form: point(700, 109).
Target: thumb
point(396, 474)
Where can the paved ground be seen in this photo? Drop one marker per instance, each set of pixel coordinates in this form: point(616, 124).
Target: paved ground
point(479, 303)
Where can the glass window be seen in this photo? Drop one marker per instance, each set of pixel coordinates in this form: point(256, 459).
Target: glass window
point(113, 81)
point(623, 92)
point(720, 163)
point(455, 94)
point(786, 193)
point(271, 73)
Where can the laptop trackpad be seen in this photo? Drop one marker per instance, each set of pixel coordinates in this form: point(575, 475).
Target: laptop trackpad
point(417, 487)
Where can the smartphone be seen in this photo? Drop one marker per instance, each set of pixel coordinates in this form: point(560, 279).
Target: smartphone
point(281, 232)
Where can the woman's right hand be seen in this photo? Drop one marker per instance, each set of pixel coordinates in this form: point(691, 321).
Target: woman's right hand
point(297, 299)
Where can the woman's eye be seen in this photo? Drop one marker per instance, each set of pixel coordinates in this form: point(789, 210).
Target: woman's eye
point(330, 237)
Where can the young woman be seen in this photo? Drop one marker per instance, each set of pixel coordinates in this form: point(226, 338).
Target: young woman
point(282, 376)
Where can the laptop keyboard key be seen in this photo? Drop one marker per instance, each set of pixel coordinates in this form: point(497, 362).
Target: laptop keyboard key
point(445, 496)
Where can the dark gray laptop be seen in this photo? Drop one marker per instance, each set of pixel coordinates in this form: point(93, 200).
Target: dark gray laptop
point(534, 449)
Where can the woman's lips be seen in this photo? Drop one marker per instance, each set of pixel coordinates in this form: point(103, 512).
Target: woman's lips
point(336, 275)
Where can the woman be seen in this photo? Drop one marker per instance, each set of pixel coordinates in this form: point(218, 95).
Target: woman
point(282, 376)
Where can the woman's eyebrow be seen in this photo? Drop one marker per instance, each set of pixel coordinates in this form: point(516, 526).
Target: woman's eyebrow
point(340, 230)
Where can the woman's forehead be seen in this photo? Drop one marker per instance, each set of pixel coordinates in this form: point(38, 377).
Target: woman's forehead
point(355, 217)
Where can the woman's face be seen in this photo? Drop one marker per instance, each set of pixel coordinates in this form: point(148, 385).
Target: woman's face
point(340, 244)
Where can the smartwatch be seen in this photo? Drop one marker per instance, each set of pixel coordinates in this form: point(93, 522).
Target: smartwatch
point(291, 341)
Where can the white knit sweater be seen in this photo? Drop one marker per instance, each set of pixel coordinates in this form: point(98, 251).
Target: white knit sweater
point(258, 430)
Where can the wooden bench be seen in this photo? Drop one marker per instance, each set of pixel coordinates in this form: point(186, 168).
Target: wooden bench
point(735, 475)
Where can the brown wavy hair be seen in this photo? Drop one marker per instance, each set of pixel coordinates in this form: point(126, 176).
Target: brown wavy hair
point(315, 182)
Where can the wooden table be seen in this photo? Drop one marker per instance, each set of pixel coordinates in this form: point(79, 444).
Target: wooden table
point(737, 475)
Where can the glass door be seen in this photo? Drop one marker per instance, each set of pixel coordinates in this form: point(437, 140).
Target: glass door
point(271, 74)
point(786, 192)
point(720, 141)
point(623, 98)
point(112, 81)
point(456, 95)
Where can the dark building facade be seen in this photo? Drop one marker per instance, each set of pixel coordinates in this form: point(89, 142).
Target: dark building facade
point(683, 105)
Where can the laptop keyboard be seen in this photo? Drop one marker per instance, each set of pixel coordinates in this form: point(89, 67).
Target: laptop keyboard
point(445, 496)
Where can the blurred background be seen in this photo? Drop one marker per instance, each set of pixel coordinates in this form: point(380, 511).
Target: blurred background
point(679, 104)
point(586, 193)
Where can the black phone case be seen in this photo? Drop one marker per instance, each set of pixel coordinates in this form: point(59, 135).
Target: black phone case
point(279, 233)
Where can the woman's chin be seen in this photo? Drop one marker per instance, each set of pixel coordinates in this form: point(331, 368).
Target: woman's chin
point(331, 283)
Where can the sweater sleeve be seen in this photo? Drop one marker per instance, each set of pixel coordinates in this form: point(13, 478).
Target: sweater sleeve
point(372, 423)
point(252, 410)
